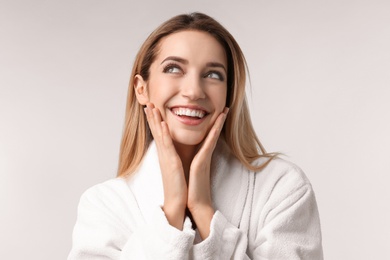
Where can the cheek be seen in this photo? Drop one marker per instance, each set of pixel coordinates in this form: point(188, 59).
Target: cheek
point(219, 98)
point(159, 93)
point(155, 92)
point(160, 87)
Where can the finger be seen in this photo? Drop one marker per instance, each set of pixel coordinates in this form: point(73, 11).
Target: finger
point(157, 120)
point(214, 133)
point(160, 129)
point(166, 135)
point(154, 120)
point(148, 112)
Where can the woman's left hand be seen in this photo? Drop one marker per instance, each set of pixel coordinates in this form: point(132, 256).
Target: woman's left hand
point(199, 200)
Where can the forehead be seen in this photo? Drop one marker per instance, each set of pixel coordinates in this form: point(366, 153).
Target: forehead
point(195, 46)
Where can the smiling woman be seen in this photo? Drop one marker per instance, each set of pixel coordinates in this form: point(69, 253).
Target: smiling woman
point(185, 79)
point(194, 181)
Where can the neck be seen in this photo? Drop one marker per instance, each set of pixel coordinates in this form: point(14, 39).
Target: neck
point(186, 154)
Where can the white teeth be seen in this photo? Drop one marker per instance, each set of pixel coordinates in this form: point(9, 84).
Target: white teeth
point(188, 112)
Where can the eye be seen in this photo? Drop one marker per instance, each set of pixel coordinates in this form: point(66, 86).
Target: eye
point(172, 68)
point(214, 75)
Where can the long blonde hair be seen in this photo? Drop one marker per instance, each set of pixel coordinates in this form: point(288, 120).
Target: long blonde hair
point(238, 131)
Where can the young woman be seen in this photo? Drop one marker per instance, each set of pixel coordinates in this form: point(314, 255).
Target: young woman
point(194, 181)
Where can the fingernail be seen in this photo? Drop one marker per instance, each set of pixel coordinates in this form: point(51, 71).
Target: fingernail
point(226, 110)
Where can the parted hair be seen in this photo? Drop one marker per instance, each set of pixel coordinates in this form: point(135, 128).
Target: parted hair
point(237, 132)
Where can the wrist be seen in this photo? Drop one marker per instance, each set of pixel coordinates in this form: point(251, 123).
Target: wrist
point(175, 215)
point(202, 216)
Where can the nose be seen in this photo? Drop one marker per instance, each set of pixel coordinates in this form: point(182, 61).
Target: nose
point(192, 87)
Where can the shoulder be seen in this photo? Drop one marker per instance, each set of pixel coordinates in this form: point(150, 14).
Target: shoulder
point(107, 215)
point(112, 187)
point(280, 180)
point(284, 213)
point(109, 195)
point(280, 170)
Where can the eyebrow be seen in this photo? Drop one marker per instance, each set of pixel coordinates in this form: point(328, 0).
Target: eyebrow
point(184, 61)
point(216, 65)
point(175, 58)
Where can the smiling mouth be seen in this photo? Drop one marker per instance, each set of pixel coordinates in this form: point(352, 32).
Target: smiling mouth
point(188, 112)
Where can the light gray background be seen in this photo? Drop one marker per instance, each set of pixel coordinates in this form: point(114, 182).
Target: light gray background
point(320, 94)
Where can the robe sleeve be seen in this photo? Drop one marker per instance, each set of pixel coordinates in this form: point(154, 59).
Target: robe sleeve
point(109, 226)
point(291, 228)
point(225, 241)
point(287, 227)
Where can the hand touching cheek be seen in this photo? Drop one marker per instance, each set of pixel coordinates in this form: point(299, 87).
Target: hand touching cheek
point(199, 188)
point(175, 187)
point(177, 197)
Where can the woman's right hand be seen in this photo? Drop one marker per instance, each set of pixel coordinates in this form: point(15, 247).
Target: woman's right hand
point(175, 186)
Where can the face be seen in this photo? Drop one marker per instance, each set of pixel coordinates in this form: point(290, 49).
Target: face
point(188, 84)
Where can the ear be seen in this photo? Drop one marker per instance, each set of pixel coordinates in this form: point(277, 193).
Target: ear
point(141, 90)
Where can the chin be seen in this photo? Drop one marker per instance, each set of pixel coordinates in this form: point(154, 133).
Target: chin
point(189, 139)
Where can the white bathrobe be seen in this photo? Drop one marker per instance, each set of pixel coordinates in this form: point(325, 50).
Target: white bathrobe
point(270, 214)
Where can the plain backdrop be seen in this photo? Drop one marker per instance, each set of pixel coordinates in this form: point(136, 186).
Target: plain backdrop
point(320, 90)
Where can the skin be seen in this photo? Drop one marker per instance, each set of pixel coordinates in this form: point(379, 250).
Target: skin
point(188, 72)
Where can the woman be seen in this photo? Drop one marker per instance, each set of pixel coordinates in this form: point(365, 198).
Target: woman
point(194, 181)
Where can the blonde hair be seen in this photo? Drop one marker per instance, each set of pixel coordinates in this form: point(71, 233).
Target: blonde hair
point(238, 131)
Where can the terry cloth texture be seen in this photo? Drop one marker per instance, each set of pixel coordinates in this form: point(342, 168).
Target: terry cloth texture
point(270, 214)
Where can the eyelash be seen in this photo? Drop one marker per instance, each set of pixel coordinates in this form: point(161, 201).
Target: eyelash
point(219, 74)
point(176, 66)
point(171, 66)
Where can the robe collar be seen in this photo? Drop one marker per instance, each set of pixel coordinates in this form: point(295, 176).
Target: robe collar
point(229, 183)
